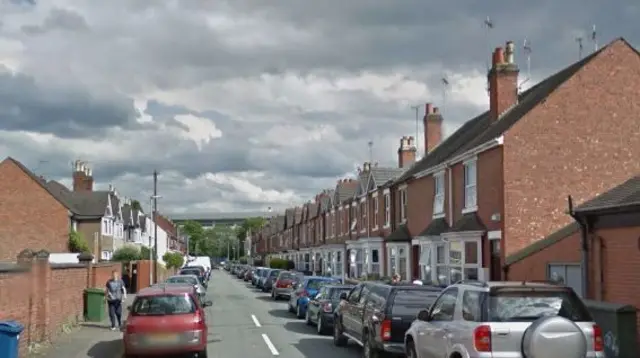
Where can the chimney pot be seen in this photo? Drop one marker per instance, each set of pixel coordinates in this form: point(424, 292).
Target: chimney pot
point(509, 52)
point(498, 57)
point(436, 110)
point(503, 81)
point(428, 108)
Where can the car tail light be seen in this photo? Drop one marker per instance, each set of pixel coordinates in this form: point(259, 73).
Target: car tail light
point(327, 307)
point(598, 340)
point(385, 330)
point(482, 338)
point(199, 319)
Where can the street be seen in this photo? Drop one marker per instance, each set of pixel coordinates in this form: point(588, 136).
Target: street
point(246, 322)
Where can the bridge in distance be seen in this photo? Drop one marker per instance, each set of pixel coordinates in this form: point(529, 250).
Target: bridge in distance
point(209, 220)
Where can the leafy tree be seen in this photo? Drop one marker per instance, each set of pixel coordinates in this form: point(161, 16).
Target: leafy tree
point(173, 259)
point(145, 253)
point(126, 253)
point(196, 234)
point(249, 225)
point(77, 243)
point(135, 205)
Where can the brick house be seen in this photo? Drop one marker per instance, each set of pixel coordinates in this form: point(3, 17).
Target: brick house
point(32, 216)
point(483, 188)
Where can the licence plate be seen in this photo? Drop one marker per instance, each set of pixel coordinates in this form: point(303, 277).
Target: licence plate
point(164, 338)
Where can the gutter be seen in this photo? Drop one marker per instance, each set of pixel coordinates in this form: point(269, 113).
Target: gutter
point(584, 243)
point(496, 142)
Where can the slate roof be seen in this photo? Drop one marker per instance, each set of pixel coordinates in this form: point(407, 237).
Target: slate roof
point(626, 194)
point(380, 176)
point(401, 234)
point(325, 201)
point(483, 128)
point(468, 222)
point(345, 190)
point(298, 215)
point(540, 245)
point(313, 210)
point(127, 216)
point(436, 227)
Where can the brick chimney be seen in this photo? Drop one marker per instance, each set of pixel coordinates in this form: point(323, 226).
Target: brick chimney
point(503, 81)
point(406, 152)
point(432, 127)
point(82, 176)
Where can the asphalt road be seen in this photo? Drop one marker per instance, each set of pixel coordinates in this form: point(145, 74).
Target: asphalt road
point(246, 322)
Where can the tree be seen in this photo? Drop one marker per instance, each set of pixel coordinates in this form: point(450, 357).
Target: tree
point(77, 243)
point(250, 225)
point(145, 253)
point(126, 253)
point(173, 259)
point(135, 205)
point(196, 234)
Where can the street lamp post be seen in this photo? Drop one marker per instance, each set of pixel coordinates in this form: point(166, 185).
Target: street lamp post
point(153, 203)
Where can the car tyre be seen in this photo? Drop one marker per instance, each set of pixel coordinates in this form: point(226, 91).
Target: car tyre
point(368, 351)
point(299, 311)
point(320, 326)
point(307, 318)
point(411, 350)
point(339, 340)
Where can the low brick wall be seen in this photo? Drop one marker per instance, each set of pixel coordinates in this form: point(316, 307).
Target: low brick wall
point(45, 297)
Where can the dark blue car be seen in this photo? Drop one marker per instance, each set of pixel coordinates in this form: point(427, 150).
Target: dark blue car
point(307, 289)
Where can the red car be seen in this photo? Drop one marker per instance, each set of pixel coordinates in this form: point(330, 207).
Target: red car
point(166, 319)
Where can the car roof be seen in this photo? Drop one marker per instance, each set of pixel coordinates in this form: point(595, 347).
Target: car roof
point(340, 286)
point(323, 278)
point(164, 289)
point(174, 276)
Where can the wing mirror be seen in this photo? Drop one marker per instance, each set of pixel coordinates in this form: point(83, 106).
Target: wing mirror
point(207, 304)
point(343, 296)
point(423, 315)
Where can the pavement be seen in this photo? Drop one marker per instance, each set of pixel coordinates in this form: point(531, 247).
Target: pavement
point(242, 322)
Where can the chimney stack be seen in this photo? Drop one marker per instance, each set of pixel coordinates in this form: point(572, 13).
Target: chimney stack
point(432, 122)
point(82, 176)
point(503, 80)
point(406, 152)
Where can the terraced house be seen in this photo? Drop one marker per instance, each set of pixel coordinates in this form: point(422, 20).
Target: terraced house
point(498, 183)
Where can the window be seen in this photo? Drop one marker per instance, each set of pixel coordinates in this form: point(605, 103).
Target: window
point(354, 295)
point(470, 188)
point(403, 205)
point(375, 261)
point(375, 212)
point(106, 255)
point(438, 199)
point(471, 306)
point(339, 264)
point(163, 305)
point(445, 306)
point(408, 302)
point(566, 274)
point(425, 264)
point(354, 218)
point(387, 210)
point(364, 295)
point(363, 216)
point(442, 273)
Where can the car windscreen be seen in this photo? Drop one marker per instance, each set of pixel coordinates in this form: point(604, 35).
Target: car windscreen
point(287, 276)
point(163, 305)
point(183, 279)
point(274, 273)
point(317, 284)
point(195, 272)
point(410, 302)
point(336, 292)
point(516, 304)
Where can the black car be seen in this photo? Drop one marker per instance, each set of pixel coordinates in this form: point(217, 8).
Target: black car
point(377, 315)
point(272, 276)
point(194, 271)
point(321, 308)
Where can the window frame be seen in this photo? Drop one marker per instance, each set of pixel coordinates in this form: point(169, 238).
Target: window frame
point(438, 194)
point(470, 172)
point(387, 210)
point(403, 204)
point(376, 211)
point(437, 303)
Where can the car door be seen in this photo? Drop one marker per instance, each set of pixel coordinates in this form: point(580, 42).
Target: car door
point(359, 312)
point(347, 309)
point(314, 303)
point(432, 335)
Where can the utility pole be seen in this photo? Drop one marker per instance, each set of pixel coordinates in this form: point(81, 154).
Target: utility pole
point(417, 110)
point(155, 226)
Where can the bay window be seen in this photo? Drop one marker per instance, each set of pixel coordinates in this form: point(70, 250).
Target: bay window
point(338, 264)
point(470, 187)
point(398, 260)
point(426, 263)
point(438, 198)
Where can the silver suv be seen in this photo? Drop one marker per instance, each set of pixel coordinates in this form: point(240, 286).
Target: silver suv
point(473, 319)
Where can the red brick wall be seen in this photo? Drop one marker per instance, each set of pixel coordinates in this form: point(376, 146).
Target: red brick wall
point(581, 141)
point(420, 212)
point(29, 215)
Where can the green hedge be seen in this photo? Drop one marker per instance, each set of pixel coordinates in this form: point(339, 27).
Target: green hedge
point(283, 264)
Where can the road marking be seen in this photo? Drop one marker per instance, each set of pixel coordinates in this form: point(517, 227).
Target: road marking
point(255, 321)
point(270, 345)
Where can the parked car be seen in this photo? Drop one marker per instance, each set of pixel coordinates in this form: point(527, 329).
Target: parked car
point(284, 284)
point(188, 280)
point(197, 271)
point(263, 278)
point(166, 319)
point(321, 307)
point(256, 275)
point(248, 274)
point(376, 315)
point(271, 277)
point(307, 288)
point(505, 319)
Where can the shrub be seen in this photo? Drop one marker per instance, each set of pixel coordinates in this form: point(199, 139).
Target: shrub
point(77, 243)
point(173, 259)
point(290, 265)
point(145, 253)
point(243, 260)
point(277, 263)
point(126, 253)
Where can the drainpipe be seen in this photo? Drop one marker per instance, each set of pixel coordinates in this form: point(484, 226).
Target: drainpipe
point(584, 243)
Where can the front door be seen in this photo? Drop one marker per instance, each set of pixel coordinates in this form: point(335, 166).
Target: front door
point(494, 264)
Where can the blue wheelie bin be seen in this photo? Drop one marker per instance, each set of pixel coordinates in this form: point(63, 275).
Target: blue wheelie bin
point(10, 338)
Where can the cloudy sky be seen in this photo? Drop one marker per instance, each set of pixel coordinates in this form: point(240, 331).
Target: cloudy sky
point(245, 104)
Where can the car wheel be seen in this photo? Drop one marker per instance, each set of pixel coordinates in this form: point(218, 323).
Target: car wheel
point(307, 318)
point(339, 340)
point(299, 311)
point(411, 350)
point(320, 325)
point(367, 349)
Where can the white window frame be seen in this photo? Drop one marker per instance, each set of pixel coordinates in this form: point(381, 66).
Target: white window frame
point(376, 212)
point(447, 265)
point(403, 205)
point(439, 195)
point(470, 172)
point(363, 215)
point(393, 252)
point(387, 210)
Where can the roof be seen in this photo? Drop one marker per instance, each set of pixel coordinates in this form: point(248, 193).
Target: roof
point(468, 222)
point(400, 234)
point(624, 196)
point(484, 128)
point(540, 245)
point(436, 227)
point(380, 176)
point(345, 189)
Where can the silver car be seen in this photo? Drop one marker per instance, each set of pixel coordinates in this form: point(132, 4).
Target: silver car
point(285, 283)
point(189, 280)
point(505, 319)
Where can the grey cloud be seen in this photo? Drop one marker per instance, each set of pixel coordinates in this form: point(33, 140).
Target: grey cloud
point(59, 19)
